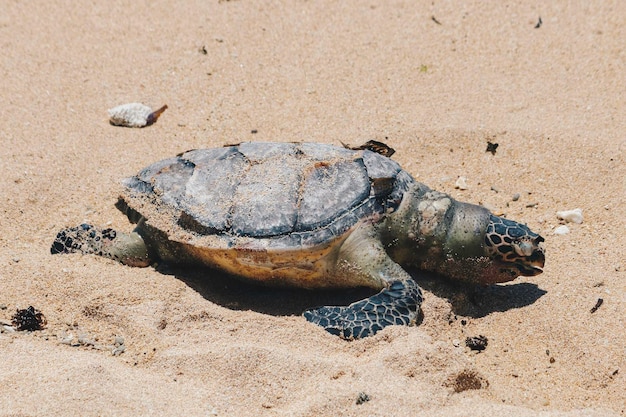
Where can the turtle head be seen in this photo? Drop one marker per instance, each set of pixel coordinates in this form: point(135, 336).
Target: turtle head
point(514, 248)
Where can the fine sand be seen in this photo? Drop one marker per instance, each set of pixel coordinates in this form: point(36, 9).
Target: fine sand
point(436, 80)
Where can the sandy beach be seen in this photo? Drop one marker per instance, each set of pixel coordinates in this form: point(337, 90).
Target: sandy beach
point(436, 81)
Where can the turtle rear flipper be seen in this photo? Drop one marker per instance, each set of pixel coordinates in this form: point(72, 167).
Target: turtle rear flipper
point(398, 304)
point(127, 248)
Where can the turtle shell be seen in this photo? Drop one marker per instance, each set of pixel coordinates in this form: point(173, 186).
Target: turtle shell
point(274, 195)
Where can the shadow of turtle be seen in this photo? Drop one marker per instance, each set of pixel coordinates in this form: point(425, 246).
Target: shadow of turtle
point(476, 300)
point(235, 293)
point(238, 294)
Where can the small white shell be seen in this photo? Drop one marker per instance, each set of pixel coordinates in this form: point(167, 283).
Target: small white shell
point(571, 216)
point(134, 115)
point(561, 230)
point(461, 183)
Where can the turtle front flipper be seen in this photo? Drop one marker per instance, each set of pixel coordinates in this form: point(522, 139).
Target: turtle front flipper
point(398, 303)
point(127, 248)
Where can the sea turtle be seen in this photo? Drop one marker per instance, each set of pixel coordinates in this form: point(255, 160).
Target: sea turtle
point(311, 215)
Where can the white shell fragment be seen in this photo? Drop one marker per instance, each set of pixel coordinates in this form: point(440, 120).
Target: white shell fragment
point(561, 230)
point(134, 115)
point(571, 216)
point(461, 183)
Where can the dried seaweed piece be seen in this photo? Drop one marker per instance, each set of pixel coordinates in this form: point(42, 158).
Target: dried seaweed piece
point(597, 306)
point(29, 319)
point(491, 147)
point(374, 146)
point(478, 343)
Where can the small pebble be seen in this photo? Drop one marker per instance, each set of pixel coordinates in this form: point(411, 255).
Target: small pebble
point(461, 183)
point(84, 340)
point(362, 398)
point(118, 350)
point(119, 340)
point(515, 197)
point(66, 340)
point(561, 230)
point(8, 329)
point(134, 115)
point(571, 216)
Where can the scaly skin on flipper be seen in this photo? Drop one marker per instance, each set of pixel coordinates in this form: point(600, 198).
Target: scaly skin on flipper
point(397, 305)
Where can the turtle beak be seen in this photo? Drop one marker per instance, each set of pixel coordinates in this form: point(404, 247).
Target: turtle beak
point(534, 264)
point(531, 271)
